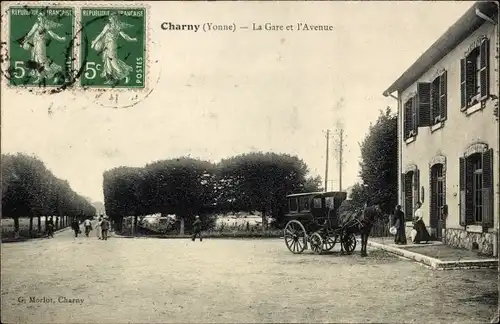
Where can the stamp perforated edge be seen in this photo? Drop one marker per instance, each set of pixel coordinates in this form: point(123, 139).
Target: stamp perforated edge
point(76, 7)
point(5, 40)
point(147, 41)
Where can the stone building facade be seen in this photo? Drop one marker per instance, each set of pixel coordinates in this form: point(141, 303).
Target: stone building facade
point(448, 103)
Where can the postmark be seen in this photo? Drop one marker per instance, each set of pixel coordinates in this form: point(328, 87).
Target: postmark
point(41, 47)
point(113, 43)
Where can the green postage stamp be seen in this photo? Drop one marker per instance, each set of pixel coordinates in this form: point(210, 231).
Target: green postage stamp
point(112, 48)
point(41, 46)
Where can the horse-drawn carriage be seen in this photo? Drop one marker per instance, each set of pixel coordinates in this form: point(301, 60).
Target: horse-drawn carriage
point(314, 222)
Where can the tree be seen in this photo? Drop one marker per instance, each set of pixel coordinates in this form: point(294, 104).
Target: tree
point(378, 165)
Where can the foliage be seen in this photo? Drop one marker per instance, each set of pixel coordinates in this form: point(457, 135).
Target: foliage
point(188, 187)
point(378, 165)
point(30, 189)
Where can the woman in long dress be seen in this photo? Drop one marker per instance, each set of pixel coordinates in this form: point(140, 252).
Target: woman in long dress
point(106, 43)
point(36, 42)
point(418, 224)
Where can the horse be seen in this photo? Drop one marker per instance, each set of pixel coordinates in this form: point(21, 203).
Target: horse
point(362, 224)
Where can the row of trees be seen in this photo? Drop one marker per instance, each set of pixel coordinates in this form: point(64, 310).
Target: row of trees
point(379, 164)
point(186, 186)
point(29, 189)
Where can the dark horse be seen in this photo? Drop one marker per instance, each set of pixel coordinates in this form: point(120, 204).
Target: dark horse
point(359, 222)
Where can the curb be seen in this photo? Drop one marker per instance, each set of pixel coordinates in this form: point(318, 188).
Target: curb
point(437, 264)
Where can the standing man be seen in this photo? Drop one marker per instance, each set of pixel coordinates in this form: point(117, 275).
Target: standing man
point(104, 228)
point(197, 228)
point(49, 225)
point(399, 223)
point(88, 226)
point(75, 225)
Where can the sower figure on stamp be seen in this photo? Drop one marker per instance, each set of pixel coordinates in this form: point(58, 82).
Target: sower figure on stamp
point(197, 229)
point(106, 43)
point(36, 42)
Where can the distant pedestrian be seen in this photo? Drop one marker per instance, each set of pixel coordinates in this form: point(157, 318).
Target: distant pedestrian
point(197, 229)
point(75, 225)
point(88, 226)
point(105, 228)
point(399, 223)
point(98, 228)
point(49, 225)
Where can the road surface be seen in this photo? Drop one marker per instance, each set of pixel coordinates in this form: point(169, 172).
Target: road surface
point(85, 280)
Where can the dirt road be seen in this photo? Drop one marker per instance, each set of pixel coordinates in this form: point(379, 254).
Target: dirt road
point(83, 280)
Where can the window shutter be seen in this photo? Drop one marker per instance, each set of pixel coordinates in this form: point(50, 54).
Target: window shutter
point(443, 100)
point(462, 192)
point(416, 176)
point(408, 117)
point(463, 90)
point(414, 109)
point(470, 76)
point(432, 199)
point(484, 58)
point(408, 196)
point(469, 197)
point(434, 101)
point(424, 104)
point(488, 188)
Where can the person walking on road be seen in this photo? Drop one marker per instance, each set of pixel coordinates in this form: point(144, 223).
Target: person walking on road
point(49, 225)
point(98, 227)
point(105, 228)
point(88, 226)
point(75, 225)
point(197, 229)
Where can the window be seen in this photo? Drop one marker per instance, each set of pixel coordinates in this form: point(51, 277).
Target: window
point(476, 187)
point(304, 203)
point(410, 115)
point(292, 204)
point(317, 202)
point(437, 194)
point(438, 99)
point(411, 192)
point(329, 202)
point(474, 76)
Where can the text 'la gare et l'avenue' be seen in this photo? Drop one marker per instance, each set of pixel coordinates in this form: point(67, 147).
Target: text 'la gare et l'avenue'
point(208, 27)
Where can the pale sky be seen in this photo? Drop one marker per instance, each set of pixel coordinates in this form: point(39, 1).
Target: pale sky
point(221, 94)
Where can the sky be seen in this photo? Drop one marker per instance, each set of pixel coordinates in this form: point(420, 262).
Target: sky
point(215, 95)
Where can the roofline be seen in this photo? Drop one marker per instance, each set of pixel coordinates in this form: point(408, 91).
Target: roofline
point(457, 33)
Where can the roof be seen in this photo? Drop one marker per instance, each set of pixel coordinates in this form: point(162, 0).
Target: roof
point(456, 34)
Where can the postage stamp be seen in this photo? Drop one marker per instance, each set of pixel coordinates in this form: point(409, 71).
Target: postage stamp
point(41, 46)
point(113, 45)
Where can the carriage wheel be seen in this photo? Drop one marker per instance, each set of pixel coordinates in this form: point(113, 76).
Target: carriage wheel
point(316, 243)
point(295, 237)
point(349, 242)
point(329, 242)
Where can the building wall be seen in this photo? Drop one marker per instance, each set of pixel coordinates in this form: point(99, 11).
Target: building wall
point(457, 134)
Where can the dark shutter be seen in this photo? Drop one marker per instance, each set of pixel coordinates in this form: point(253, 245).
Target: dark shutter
point(469, 193)
point(443, 100)
point(417, 184)
point(414, 109)
point(432, 198)
point(488, 188)
point(462, 191)
point(463, 90)
point(408, 194)
point(434, 111)
point(408, 117)
point(424, 104)
point(470, 76)
point(484, 75)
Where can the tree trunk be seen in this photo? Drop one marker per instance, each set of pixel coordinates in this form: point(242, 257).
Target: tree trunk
point(31, 226)
point(16, 227)
point(135, 224)
point(181, 232)
point(264, 220)
point(56, 223)
point(39, 225)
